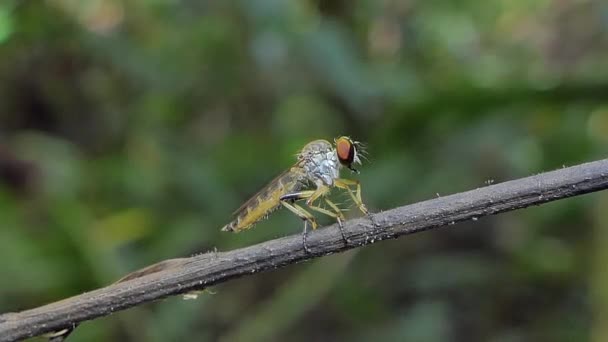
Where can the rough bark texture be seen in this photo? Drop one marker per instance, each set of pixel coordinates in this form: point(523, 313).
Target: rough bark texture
point(177, 276)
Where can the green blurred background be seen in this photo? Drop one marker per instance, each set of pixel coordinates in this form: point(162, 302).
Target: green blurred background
point(130, 131)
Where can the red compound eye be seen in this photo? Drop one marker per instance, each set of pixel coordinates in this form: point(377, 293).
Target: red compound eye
point(345, 150)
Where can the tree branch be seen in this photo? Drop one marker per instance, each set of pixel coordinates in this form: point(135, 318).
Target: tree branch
point(178, 276)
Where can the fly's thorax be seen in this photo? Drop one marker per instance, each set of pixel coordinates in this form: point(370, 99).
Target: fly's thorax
point(320, 162)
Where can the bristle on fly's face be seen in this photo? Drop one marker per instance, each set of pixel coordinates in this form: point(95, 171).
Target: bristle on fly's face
point(362, 150)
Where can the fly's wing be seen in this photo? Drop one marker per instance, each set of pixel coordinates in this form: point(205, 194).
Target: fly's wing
point(291, 179)
point(267, 200)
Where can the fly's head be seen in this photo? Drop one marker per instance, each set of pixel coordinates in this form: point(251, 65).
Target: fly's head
point(348, 152)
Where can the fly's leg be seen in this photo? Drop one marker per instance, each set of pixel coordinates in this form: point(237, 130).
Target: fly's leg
point(305, 237)
point(296, 196)
point(311, 196)
point(301, 213)
point(337, 214)
point(347, 185)
point(305, 216)
point(337, 210)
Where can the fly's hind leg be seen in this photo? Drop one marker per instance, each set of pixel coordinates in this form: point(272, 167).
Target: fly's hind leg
point(305, 216)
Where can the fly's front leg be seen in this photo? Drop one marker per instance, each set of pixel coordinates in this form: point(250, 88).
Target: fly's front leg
point(346, 184)
point(356, 196)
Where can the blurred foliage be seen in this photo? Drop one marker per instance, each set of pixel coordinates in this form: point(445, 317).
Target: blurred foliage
point(130, 130)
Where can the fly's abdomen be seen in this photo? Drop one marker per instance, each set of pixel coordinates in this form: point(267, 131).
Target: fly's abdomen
point(264, 202)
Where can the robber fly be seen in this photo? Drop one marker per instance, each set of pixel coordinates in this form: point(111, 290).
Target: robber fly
point(310, 179)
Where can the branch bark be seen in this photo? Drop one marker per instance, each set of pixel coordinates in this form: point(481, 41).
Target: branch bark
point(178, 276)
